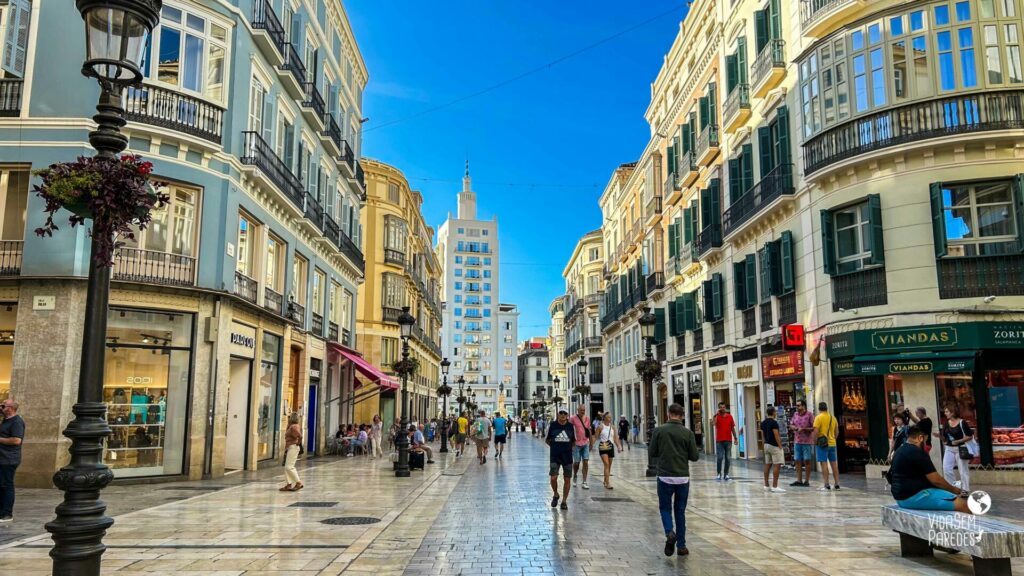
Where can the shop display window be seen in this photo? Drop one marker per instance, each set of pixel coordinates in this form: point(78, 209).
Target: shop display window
point(146, 388)
point(1006, 395)
point(955, 387)
point(893, 398)
point(267, 421)
point(854, 421)
point(8, 320)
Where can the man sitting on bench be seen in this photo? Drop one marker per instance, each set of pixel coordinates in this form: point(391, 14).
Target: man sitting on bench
point(915, 483)
point(417, 443)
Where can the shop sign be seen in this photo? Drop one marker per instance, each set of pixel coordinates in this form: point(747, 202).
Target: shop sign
point(678, 384)
point(243, 340)
point(696, 381)
point(787, 365)
point(769, 393)
point(745, 371)
point(965, 336)
point(880, 366)
point(718, 377)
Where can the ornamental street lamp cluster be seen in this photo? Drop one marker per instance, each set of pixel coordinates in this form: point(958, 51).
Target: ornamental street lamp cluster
point(647, 324)
point(405, 324)
point(445, 390)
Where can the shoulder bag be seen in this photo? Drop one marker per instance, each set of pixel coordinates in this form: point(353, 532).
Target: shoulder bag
point(968, 450)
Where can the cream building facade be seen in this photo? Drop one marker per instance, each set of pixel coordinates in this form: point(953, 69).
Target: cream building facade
point(401, 270)
point(584, 289)
point(556, 339)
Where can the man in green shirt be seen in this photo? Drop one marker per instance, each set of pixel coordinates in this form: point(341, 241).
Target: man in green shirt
point(673, 447)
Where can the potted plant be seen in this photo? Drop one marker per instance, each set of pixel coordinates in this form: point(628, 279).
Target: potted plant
point(648, 368)
point(117, 194)
point(406, 367)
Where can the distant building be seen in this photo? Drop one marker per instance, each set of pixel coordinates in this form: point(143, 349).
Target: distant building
point(535, 378)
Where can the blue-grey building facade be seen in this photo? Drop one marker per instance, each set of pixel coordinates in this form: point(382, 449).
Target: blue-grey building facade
point(236, 307)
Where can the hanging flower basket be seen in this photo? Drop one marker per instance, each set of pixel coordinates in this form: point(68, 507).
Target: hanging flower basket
point(406, 367)
point(117, 194)
point(648, 369)
point(582, 390)
point(557, 400)
point(461, 399)
point(444, 390)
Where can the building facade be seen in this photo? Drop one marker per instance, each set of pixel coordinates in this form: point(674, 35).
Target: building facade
point(535, 379)
point(478, 333)
point(401, 270)
point(584, 290)
point(236, 306)
point(556, 338)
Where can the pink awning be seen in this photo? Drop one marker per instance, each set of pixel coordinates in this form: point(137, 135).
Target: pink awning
point(364, 367)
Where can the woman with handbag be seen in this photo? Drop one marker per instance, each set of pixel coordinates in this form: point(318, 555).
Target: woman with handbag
point(607, 440)
point(959, 447)
point(292, 449)
point(899, 434)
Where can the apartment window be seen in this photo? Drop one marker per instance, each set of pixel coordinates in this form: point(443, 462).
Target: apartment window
point(274, 272)
point(257, 105)
point(300, 267)
point(507, 365)
point(319, 282)
point(192, 52)
point(394, 234)
point(14, 202)
point(594, 254)
point(487, 259)
point(852, 237)
point(172, 229)
point(458, 272)
point(458, 311)
point(245, 253)
point(538, 378)
point(393, 195)
point(388, 350)
point(508, 352)
point(346, 309)
point(980, 219)
point(336, 303)
point(394, 290)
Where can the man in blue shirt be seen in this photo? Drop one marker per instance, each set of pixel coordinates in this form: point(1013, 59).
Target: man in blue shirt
point(500, 431)
point(12, 432)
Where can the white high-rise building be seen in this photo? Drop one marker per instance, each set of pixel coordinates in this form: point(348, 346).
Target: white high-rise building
point(478, 333)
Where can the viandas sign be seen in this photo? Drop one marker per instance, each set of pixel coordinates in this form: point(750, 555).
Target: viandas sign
point(937, 338)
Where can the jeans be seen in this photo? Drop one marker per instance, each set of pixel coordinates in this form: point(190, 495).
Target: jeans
point(291, 455)
point(7, 489)
point(722, 450)
point(950, 459)
point(667, 507)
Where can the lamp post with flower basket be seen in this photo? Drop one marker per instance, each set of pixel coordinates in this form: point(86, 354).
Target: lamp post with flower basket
point(648, 369)
point(405, 368)
point(444, 390)
point(114, 193)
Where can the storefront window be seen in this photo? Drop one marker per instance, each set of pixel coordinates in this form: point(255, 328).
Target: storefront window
point(955, 388)
point(146, 388)
point(267, 421)
point(1006, 396)
point(855, 422)
point(8, 320)
point(893, 398)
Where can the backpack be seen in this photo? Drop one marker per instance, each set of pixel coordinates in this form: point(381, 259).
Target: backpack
point(481, 428)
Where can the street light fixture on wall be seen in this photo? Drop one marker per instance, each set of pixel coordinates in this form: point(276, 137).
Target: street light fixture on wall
point(647, 328)
point(445, 390)
point(405, 324)
point(117, 33)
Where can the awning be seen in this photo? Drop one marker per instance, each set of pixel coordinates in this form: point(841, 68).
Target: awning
point(909, 363)
point(364, 367)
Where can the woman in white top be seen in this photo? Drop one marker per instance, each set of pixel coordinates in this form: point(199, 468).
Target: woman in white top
point(607, 440)
point(376, 434)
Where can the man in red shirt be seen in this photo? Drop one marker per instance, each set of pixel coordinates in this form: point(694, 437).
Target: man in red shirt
point(581, 451)
point(725, 430)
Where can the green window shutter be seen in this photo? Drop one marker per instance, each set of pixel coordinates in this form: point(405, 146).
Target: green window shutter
point(706, 293)
point(739, 276)
point(741, 58)
point(1018, 200)
point(673, 248)
point(731, 73)
point(687, 215)
point(715, 195)
point(735, 186)
point(713, 102)
point(685, 132)
point(760, 30)
point(690, 311)
point(747, 168)
point(828, 243)
point(705, 209)
point(763, 272)
point(939, 220)
point(704, 111)
point(670, 157)
point(775, 268)
point(783, 154)
point(750, 271)
point(788, 271)
point(716, 296)
point(775, 19)
point(764, 147)
point(875, 230)
point(659, 326)
point(673, 320)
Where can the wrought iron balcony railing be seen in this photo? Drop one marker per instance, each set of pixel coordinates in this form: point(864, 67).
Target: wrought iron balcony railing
point(859, 289)
point(981, 276)
point(264, 18)
point(10, 257)
point(314, 211)
point(273, 300)
point(709, 239)
point(738, 99)
point(293, 63)
point(318, 324)
point(774, 185)
point(245, 287)
point(313, 100)
point(167, 108)
point(256, 152)
point(148, 266)
point(653, 206)
point(332, 331)
point(706, 141)
point(773, 55)
point(394, 257)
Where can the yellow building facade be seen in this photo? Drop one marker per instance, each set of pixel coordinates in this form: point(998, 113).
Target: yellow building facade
point(584, 289)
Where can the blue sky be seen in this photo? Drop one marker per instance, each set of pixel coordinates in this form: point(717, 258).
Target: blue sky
point(542, 147)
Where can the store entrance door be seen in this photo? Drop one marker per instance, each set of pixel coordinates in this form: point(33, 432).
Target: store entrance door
point(238, 413)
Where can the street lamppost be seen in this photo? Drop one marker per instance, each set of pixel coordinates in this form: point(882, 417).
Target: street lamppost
point(583, 382)
point(116, 32)
point(445, 391)
point(556, 382)
point(501, 394)
point(405, 324)
point(647, 325)
point(461, 398)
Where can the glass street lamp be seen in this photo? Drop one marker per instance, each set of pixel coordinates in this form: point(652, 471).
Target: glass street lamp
point(583, 379)
point(461, 398)
point(557, 381)
point(405, 324)
point(116, 32)
point(445, 365)
point(647, 327)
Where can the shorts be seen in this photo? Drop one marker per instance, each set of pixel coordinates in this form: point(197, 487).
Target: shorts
point(609, 452)
point(825, 454)
point(803, 452)
point(566, 469)
point(499, 438)
point(773, 455)
point(580, 453)
point(929, 499)
point(460, 437)
point(483, 442)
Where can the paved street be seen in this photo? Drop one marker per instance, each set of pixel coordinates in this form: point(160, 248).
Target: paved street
point(462, 518)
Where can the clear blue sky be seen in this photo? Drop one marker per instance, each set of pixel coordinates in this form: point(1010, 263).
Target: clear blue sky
point(541, 148)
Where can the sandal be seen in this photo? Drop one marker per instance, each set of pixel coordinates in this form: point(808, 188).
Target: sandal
point(286, 488)
point(298, 487)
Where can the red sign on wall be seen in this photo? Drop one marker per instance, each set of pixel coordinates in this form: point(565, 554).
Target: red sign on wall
point(785, 366)
point(793, 337)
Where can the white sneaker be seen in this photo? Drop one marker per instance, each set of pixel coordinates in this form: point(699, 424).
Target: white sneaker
point(766, 488)
point(727, 478)
point(574, 481)
point(825, 488)
point(585, 486)
point(718, 478)
point(777, 490)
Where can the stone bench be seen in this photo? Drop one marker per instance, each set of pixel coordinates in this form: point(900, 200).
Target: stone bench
point(991, 543)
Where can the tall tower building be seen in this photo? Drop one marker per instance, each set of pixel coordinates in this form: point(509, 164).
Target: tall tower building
point(478, 333)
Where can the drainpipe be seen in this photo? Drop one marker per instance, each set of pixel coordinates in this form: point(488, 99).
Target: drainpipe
point(211, 389)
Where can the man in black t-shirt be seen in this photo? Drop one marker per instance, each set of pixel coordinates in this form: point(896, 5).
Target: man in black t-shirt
point(773, 455)
point(561, 437)
point(915, 483)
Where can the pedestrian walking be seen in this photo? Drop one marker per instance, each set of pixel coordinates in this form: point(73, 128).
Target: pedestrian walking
point(899, 434)
point(673, 447)
point(460, 436)
point(12, 434)
point(826, 428)
point(607, 440)
point(376, 431)
point(500, 434)
point(957, 450)
point(802, 423)
point(292, 449)
point(482, 435)
point(624, 431)
point(561, 438)
point(636, 428)
point(773, 457)
point(581, 450)
point(922, 421)
point(725, 438)
point(533, 426)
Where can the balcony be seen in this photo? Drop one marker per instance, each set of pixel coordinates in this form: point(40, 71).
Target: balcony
point(593, 299)
point(313, 211)
point(859, 289)
point(10, 257)
point(318, 324)
point(134, 265)
point(654, 281)
point(268, 33)
point(296, 313)
point(313, 106)
point(350, 250)
point(769, 68)
point(653, 208)
point(767, 322)
point(347, 159)
point(750, 321)
point(172, 110)
point(707, 145)
point(787, 309)
point(346, 337)
point(332, 331)
point(818, 17)
point(708, 240)
point(258, 153)
point(330, 136)
point(687, 170)
point(591, 342)
point(736, 109)
point(273, 300)
point(965, 114)
point(394, 257)
point(360, 177)
point(292, 72)
point(245, 287)
point(390, 315)
point(759, 200)
point(981, 276)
